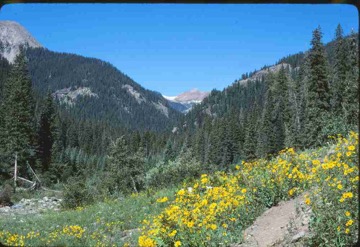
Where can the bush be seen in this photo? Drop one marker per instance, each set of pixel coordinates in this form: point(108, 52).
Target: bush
point(173, 173)
point(76, 193)
point(5, 195)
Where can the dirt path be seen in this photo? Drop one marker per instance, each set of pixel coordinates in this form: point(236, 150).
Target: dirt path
point(282, 225)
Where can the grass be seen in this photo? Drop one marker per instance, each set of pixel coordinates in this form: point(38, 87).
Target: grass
point(101, 224)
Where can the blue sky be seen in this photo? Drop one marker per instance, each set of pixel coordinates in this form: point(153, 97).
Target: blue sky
point(171, 48)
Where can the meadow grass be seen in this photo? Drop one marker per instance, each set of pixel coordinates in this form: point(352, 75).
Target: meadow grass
point(101, 224)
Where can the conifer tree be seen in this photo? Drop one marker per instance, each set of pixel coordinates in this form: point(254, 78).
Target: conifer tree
point(18, 113)
point(250, 136)
point(340, 70)
point(46, 133)
point(318, 97)
point(266, 138)
point(281, 111)
point(351, 98)
point(125, 170)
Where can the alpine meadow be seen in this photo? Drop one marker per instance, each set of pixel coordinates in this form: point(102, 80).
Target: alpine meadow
point(90, 157)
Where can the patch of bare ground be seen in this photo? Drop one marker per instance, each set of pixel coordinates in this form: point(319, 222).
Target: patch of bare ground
point(286, 224)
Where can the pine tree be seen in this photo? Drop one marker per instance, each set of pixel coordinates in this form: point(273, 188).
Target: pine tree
point(281, 113)
point(46, 133)
point(18, 112)
point(266, 138)
point(351, 95)
point(250, 136)
point(318, 97)
point(340, 70)
point(125, 170)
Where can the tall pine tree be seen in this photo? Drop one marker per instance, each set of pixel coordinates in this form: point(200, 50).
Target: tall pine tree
point(46, 133)
point(318, 96)
point(18, 111)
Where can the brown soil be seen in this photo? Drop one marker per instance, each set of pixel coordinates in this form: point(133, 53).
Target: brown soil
point(283, 225)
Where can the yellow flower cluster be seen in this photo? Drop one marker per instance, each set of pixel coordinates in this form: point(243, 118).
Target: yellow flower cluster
point(76, 231)
point(215, 205)
point(11, 239)
point(199, 209)
point(164, 199)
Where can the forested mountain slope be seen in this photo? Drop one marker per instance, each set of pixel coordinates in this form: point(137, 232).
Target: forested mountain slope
point(296, 103)
point(94, 89)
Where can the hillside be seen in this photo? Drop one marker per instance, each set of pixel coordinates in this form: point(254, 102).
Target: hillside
point(216, 208)
point(266, 110)
point(94, 89)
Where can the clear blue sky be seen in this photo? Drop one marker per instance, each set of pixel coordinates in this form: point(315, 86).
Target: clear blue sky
point(172, 48)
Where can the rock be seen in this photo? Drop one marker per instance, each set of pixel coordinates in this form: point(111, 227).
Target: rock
point(5, 209)
point(297, 237)
point(16, 206)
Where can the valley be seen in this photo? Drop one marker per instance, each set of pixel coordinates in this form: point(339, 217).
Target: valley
point(90, 157)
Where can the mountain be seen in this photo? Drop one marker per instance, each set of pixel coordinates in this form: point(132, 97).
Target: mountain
point(185, 101)
point(12, 37)
point(88, 88)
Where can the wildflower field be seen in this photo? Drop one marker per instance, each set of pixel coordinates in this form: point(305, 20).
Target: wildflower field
point(213, 210)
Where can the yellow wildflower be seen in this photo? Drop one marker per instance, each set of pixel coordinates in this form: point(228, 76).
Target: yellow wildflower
point(349, 223)
point(177, 243)
point(173, 233)
point(351, 148)
point(164, 199)
point(213, 226)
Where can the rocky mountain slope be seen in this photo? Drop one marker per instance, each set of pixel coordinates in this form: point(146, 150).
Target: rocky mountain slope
point(12, 37)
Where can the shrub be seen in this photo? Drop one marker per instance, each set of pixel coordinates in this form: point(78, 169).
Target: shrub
point(5, 195)
point(76, 193)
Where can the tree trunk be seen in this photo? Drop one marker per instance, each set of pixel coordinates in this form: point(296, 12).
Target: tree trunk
point(134, 184)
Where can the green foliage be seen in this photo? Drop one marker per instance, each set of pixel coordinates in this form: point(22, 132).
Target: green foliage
point(125, 170)
point(174, 172)
point(46, 134)
point(17, 127)
point(76, 193)
point(5, 195)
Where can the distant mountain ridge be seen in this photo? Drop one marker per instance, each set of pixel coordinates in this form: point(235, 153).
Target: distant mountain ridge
point(185, 101)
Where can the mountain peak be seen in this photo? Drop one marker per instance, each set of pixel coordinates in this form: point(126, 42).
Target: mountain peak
point(185, 101)
point(12, 37)
point(192, 95)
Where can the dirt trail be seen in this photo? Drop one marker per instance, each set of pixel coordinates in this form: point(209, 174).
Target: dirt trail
point(281, 225)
